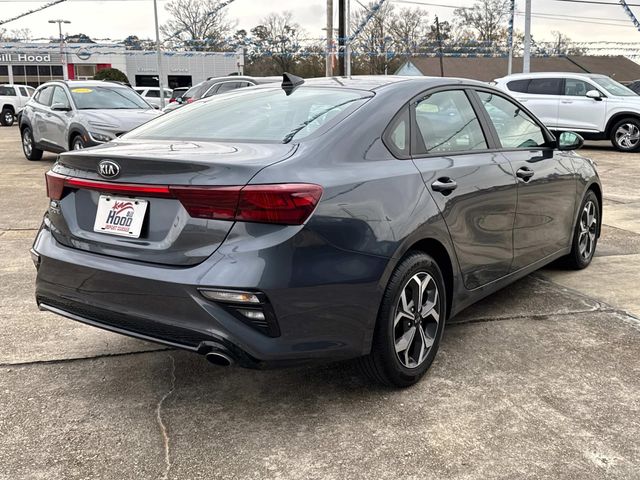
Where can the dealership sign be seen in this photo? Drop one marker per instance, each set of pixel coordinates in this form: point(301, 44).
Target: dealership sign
point(17, 58)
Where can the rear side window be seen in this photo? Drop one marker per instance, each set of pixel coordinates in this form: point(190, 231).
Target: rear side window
point(515, 128)
point(545, 86)
point(520, 86)
point(446, 122)
point(44, 96)
point(266, 114)
point(396, 136)
point(7, 91)
point(153, 94)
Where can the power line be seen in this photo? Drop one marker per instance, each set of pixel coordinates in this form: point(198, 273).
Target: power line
point(50, 4)
point(597, 2)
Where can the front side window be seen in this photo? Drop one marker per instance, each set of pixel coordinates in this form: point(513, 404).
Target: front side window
point(98, 98)
point(613, 87)
point(446, 122)
point(515, 128)
point(545, 86)
point(23, 91)
point(60, 98)
point(576, 88)
point(266, 114)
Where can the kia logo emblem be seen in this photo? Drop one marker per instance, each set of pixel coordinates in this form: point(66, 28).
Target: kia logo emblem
point(108, 169)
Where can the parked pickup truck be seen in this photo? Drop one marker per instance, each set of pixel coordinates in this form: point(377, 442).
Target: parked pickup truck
point(12, 100)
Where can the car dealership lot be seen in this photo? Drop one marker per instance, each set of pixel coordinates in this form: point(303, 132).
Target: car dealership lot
point(539, 380)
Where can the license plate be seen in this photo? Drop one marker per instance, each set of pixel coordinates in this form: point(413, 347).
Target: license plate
point(120, 216)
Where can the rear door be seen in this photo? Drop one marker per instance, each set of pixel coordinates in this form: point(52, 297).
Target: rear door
point(542, 97)
point(579, 112)
point(41, 110)
point(474, 187)
point(546, 181)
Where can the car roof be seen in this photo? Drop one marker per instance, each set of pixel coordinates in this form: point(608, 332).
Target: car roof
point(86, 83)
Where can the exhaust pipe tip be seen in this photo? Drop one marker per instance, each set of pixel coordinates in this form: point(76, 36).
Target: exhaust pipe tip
point(219, 358)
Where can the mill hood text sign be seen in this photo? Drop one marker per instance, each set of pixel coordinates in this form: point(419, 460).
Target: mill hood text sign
point(29, 58)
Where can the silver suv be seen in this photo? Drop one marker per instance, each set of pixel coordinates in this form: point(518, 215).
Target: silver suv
point(71, 115)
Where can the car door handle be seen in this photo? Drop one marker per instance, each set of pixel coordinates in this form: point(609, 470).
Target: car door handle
point(525, 173)
point(566, 101)
point(444, 185)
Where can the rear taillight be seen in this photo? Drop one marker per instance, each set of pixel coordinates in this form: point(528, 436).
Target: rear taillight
point(286, 204)
point(172, 100)
point(190, 100)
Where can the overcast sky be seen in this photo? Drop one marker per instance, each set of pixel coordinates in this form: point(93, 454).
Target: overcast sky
point(117, 19)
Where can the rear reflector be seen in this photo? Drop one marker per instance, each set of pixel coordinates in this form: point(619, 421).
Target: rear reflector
point(286, 204)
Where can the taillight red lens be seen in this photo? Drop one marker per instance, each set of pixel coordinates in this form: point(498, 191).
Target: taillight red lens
point(55, 185)
point(289, 204)
point(189, 100)
point(208, 202)
point(171, 100)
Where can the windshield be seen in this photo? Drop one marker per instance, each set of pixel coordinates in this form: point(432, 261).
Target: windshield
point(257, 114)
point(93, 98)
point(613, 87)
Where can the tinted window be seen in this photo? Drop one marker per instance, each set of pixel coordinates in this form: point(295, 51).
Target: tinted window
point(447, 123)
point(23, 92)
point(515, 128)
point(153, 94)
point(576, 88)
point(260, 115)
point(227, 86)
point(518, 86)
point(7, 91)
point(44, 96)
point(60, 97)
point(56, 70)
point(397, 135)
point(545, 86)
point(91, 98)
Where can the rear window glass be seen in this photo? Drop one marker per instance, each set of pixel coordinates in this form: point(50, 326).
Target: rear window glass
point(545, 86)
point(254, 115)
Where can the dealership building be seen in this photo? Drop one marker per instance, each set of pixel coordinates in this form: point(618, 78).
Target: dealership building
point(36, 63)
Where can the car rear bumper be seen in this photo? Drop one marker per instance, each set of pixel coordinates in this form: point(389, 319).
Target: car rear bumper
point(163, 304)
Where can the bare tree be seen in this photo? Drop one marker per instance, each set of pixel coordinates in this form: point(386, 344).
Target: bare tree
point(373, 46)
point(277, 41)
point(198, 24)
point(561, 45)
point(408, 29)
point(486, 20)
point(15, 35)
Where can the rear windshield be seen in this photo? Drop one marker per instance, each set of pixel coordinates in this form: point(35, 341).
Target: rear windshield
point(613, 87)
point(93, 98)
point(256, 114)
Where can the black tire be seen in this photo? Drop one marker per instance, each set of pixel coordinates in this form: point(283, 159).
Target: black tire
point(7, 117)
point(28, 145)
point(383, 364)
point(625, 135)
point(77, 143)
point(577, 260)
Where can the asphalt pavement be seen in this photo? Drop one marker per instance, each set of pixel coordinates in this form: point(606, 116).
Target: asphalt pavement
point(541, 380)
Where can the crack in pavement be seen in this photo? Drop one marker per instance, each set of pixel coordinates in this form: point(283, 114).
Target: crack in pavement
point(76, 359)
point(534, 316)
point(163, 428)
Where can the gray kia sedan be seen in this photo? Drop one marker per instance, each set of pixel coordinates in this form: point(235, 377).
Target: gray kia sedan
point(315, 220)
point(71, 115)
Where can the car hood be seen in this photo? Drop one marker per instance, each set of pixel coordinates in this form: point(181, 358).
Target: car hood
point(120, 120)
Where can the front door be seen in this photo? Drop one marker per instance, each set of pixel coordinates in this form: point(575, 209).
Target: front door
point(475, 189)
point(58, 119)
point(546, 182)
point(579, 112)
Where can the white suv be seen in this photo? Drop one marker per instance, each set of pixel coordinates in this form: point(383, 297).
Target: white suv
point(13, 98)
point(596, 106)
point(152, 95)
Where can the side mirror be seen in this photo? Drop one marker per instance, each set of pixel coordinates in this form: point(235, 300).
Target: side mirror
point(570, 141)
point(60, 107)
point(179, 100)
point(595, 94)
point(156, 107)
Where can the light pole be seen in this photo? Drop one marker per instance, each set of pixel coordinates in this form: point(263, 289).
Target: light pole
point(526, 60)
point(160, 70)
point(63, 57)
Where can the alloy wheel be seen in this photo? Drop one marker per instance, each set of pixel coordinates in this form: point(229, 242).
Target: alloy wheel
point(8, 118)
point(588, 230)
point(627, 135)
point(77, 144)
point(27, 143)
point(416, 320)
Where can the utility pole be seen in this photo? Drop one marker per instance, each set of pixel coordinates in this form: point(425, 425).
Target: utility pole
point(329, 66)
point(342, 30)
point(347, 43)
point(159, 51)
point(526, 61)
point(512, 14)
point(63, 57)
point(440, 52)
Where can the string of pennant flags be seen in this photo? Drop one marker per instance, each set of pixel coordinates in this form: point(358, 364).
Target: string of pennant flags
point(34, 10)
